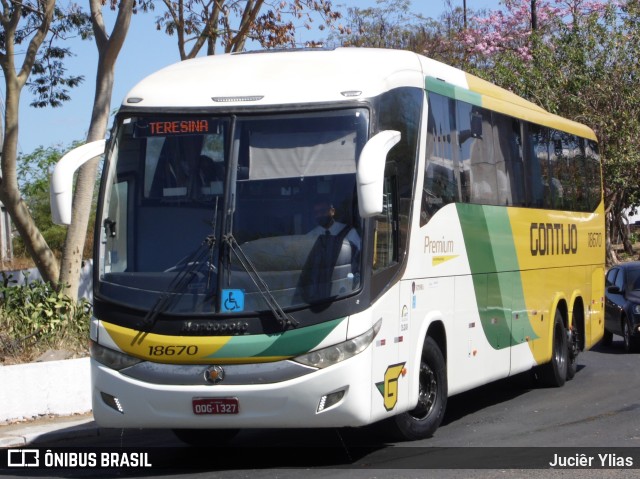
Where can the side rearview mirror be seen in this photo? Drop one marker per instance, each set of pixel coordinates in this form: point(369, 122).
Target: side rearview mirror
point(614, 290)
point(370, 172)
point(61, 183)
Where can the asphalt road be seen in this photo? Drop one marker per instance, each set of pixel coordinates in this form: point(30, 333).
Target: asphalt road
point(498, 430)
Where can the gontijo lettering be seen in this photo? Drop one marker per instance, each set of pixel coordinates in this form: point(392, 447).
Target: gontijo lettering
point(553, 239)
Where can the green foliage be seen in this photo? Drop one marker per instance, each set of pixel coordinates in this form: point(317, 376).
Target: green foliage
point(36, 314)
point(33, 181)
point(389, 25)
point(585, 68)
point(50, 83)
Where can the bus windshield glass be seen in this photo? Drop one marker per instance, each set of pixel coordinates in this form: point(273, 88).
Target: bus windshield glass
point(203, 214)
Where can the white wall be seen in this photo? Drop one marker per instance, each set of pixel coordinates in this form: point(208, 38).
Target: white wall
point(85, 288)
point(53, 387)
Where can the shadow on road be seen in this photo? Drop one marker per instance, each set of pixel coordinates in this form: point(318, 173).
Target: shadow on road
point(616, 347)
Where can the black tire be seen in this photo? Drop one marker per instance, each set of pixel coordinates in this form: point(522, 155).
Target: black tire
point(630, 342)
point(607, 339)
point(572, 363)
point(422, 421)
point(554, 373)
point(206, 437)
point(626, 335)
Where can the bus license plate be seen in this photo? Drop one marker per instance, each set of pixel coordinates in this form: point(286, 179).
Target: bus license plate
point(216, 406)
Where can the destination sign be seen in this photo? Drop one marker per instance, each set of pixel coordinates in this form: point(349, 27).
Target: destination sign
point(172, 127)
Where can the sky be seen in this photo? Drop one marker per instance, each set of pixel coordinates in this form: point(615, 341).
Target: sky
point(145, 51)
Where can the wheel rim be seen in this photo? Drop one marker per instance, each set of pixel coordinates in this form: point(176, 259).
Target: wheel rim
point(427, 394)
point(559, 344)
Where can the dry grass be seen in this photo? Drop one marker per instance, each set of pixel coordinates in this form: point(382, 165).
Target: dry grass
point(12, 352)
point(17, 264)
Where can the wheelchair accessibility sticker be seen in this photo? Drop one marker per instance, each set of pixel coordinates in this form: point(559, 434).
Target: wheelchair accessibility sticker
point(232, 300)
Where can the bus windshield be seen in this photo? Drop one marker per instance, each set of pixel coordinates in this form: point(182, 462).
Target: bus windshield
point(202, 214)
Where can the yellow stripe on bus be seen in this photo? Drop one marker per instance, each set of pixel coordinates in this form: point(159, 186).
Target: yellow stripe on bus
point(503, 101)
point(165, 349)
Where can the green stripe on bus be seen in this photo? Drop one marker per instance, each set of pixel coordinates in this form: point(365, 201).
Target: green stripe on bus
point(289, 343)
point(452, 91)
point(489, 242)
point(300, 341)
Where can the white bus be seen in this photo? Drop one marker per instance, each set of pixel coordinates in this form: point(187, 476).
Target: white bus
point(329, 238)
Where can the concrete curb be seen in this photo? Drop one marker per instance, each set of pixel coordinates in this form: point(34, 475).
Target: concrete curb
point(49, 429)
point(33, 390)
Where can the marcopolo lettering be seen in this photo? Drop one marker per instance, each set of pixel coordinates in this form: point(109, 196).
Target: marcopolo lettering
point(548, 239)
point(214, 328)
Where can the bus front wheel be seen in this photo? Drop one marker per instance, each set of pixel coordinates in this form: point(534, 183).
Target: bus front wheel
point(422, 421)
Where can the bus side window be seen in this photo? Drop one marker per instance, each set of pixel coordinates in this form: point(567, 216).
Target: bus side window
point(593, 174)
point(115, 229)
point(385, 236)
point(507, 141)
point(556, 187)
point(478, 174)
point(536, 164)
point(566, 149)
point(401, 110)
point(581, 178)
point(440, 185)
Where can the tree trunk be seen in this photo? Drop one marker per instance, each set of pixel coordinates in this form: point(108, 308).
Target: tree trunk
point(72, 259)
point(612, 257)
point(15, 79)
point(108, 50)
point(10, 195)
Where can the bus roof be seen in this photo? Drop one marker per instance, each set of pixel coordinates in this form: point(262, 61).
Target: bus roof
point(305, 76)
point(278, 78)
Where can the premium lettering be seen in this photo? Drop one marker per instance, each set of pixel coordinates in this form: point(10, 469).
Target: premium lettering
point(438, 246)
point(547, 239)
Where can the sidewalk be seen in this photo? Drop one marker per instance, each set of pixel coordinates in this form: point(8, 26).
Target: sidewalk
point(47, 429)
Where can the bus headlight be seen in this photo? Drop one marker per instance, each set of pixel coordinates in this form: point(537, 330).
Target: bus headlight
point(323, 358)
point(110, 358)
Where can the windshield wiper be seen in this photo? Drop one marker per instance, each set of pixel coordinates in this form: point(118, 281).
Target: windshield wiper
point(201, 255)
point(192, 263)
point(284, 320)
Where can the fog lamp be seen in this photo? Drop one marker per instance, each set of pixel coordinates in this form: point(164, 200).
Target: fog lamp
point(331, 399)
point(112, 401)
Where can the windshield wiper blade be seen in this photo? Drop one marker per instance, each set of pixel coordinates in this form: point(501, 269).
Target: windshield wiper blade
point(284, 320)
point(168, 298)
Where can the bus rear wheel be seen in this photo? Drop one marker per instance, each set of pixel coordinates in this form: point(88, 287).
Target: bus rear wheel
point(422, 421)
point(574, 349)
point(554, 373)
point(206, 437)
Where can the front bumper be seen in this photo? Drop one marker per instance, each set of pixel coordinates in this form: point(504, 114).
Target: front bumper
point(291, 403)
